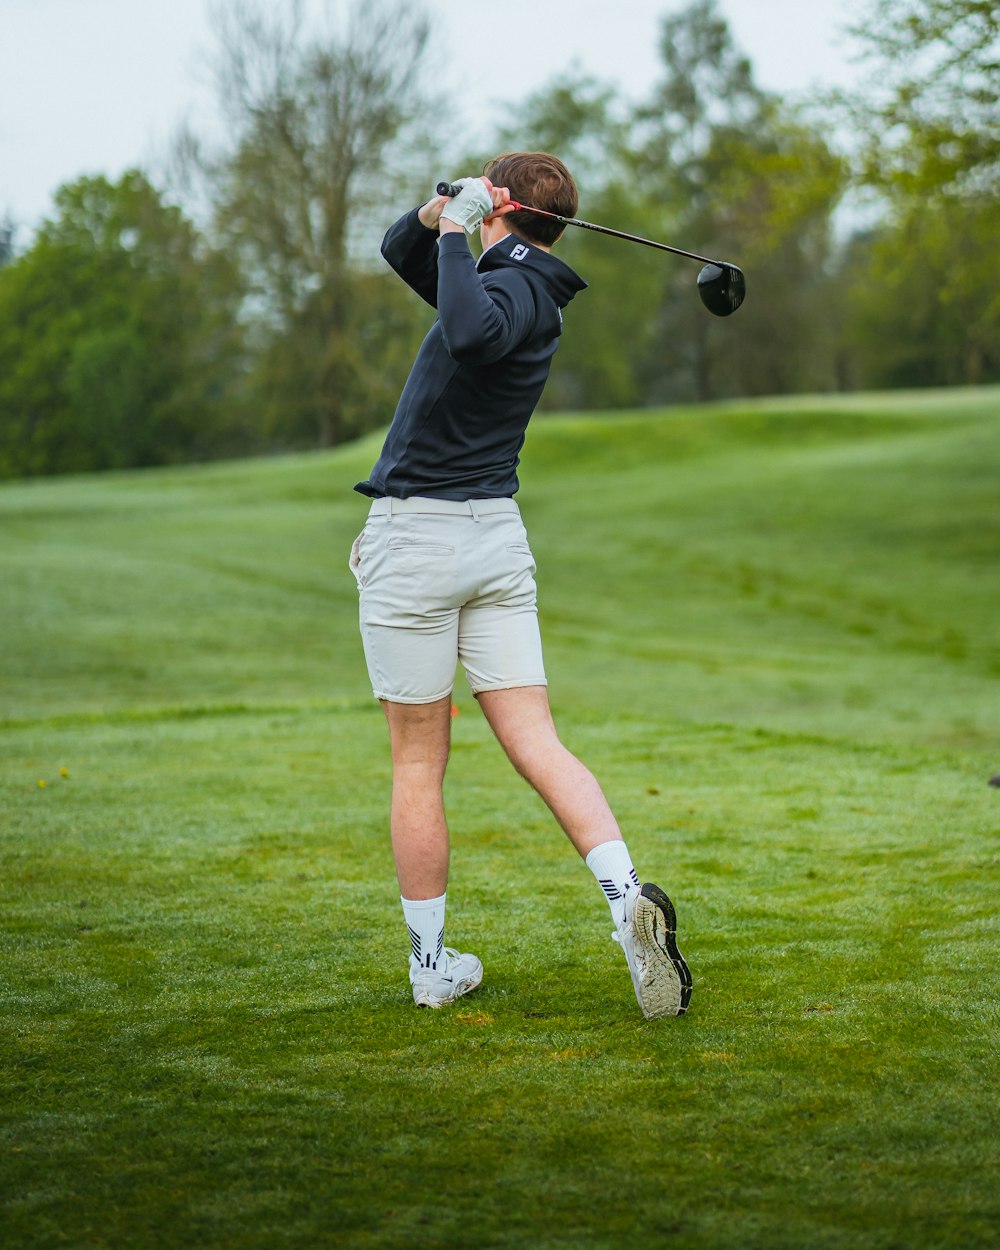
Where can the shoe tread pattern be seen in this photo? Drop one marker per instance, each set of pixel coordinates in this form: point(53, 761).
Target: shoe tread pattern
point(666, 987)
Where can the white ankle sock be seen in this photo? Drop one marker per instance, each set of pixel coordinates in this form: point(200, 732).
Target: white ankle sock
point(611, 864)
point(425, 921)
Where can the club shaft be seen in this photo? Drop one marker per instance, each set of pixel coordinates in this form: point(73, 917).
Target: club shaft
point(617, 234)
point(445, 188)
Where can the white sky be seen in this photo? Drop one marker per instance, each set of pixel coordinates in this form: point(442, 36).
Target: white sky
point(94, 86)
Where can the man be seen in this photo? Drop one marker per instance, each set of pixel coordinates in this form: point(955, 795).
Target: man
point(445, 572)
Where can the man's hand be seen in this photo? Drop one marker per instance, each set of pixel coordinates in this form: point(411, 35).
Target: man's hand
point(501, 201)
point(429, 214)
point(472, 204)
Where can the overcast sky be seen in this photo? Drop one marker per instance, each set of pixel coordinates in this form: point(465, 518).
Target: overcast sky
point(94, 86)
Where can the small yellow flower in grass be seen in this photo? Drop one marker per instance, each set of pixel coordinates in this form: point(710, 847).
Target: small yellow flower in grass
point(63, 772)
point(41, 783)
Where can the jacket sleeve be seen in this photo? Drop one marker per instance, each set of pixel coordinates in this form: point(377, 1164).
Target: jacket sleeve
point(482, 318)
point(411, 250)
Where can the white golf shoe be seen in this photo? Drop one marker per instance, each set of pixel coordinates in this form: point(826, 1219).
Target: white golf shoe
point(454, 976)
point(661, 978)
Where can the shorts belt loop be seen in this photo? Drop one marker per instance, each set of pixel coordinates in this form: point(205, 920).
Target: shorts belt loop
point(474, 510)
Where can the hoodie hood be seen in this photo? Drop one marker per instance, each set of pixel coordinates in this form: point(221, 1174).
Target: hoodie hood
point(538, 265)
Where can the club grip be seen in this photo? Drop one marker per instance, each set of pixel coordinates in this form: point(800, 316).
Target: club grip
point(447, 188)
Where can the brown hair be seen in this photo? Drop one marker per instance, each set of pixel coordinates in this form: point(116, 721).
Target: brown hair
point(538, 179)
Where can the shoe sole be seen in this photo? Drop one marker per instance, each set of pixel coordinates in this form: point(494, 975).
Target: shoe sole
point(465, 986)
point(666, 990)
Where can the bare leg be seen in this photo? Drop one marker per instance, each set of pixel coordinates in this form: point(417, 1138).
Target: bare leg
point(523, 724)
point(420, 734)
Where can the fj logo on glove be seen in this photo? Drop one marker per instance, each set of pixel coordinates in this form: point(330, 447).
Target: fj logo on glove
point(519, 252)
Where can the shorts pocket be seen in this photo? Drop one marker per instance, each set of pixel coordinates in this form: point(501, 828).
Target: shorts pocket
point(422, 573)
point(417, 550)
point(519, 558)
point(354, 563)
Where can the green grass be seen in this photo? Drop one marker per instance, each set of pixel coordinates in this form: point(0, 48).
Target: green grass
point(772, 629)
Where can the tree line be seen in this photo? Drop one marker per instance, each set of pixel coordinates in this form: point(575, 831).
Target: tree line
point(241, 306)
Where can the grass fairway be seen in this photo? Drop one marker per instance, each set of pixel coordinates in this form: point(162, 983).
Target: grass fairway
point(772, 629)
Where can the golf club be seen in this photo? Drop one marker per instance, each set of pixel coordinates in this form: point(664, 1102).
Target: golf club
point(722, 285)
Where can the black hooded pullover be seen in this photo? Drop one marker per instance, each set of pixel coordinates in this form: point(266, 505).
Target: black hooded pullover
point(460, 422)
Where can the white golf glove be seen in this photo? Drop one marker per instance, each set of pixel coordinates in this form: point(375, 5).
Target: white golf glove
point(470, 206)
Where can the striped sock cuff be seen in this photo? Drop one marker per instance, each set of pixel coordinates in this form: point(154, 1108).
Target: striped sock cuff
point(425, 925)
point(613, 870)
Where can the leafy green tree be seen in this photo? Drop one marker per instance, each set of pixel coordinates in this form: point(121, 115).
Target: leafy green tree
point(749, 180)
point(6, 242)
point(929, 111)
point(324, 124)
point(118, 339)
point(778, 185)
point(582, 120)
point(921, 299)
point(924, 307)
point(713, 163)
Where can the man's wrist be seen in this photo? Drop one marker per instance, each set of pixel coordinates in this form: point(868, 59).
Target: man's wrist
point(429, 214)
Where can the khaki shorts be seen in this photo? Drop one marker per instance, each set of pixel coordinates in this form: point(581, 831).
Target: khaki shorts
point(440, 583)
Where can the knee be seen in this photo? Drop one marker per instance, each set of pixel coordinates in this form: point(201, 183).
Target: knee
point(420, 759)
point(535, 753)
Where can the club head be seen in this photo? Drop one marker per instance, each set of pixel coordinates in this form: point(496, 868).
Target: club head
point(722, 288)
